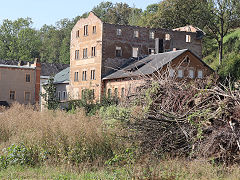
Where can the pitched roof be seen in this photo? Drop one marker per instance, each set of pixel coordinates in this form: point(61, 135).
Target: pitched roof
point(47, 69)
point(147, 66)
point(62, 76)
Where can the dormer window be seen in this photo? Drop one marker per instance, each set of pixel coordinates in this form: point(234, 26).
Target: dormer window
point(119, 32)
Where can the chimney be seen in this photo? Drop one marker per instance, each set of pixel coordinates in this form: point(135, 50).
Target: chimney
point(174, 49)
point(37, 64)
point(20, 63)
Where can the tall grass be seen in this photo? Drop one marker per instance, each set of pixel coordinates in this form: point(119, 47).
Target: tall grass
point(57, 136)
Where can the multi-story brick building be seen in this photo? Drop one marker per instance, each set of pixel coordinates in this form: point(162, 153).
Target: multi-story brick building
point(97, 48)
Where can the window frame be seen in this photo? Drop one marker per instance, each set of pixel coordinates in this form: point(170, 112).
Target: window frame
point(191, 76)
point(120, 50)
point(76, 77)
point(188, 38)
point(119, 32)
point(93, 74)
point(182, 73)
point(14, 95)
point(28, 78)
point(199, 74)
point(85, 54)
point(84, 75)
point(25, 92)
point(93, 53)
point(136, 33)
point(85, 30)
point(94, 29)
point(151, 34)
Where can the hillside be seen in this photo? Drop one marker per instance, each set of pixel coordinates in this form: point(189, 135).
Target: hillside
point(231, 50)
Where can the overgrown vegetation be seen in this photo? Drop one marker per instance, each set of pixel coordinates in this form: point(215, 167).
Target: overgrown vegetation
point(167, 121)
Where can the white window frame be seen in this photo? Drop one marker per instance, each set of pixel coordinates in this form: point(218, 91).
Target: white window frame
point(200, 74)
point(191, 73)
point(180, 73)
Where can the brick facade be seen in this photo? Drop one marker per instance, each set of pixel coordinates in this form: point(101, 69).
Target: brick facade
point(112, 46)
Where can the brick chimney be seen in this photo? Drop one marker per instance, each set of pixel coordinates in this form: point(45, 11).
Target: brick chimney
point(37, 64)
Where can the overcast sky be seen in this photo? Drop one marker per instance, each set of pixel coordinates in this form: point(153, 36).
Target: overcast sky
point(50, 11)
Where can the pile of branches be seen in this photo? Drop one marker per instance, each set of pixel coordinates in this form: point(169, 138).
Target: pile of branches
point(199, 119)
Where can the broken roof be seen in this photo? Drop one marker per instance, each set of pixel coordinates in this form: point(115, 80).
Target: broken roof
point(147, 65)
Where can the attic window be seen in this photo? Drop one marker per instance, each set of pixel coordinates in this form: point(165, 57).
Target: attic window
point(186, 60)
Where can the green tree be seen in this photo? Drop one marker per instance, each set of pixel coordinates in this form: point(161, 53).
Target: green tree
point(223, 16)
point(50, 95)
point(18, 40)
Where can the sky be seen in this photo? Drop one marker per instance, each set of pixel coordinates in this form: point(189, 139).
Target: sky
point(50, 11)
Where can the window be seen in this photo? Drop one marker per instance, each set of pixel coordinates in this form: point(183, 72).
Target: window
point(93, 74)
point(118, 51)
point(93, 51)
point(116, 92)
point(151, 51)
point(188, 38)
point(28, 78)
point(122, 92)
point(76, 76)
point(92, 91)
point(84, 75)
point(77, 54)
point(59, 95)
point(136, 34)
point(171, 72)
point(109, 93)
point(94, 29)
point(200, 74)
point(180, 73)
point(186, 60)
point(84, 94)
point(77, 33)
point(167, 37)
point(191, 74)
point(12, 95)
point(134, 52)
point(27, 96)
point(85, 30)
point(64, 95)
point(119, 32)
point(84, 53)
point(151, 35)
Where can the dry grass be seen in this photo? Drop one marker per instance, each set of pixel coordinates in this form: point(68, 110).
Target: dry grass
point(62, 136)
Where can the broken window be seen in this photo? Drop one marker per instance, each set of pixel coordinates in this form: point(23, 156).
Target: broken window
point(134, 52)
point(151, 35)
point(12, 95)
point(136, 34)
point(118, 51)
point(28, 78)
point(188, 38)
point(119, 32)
point(167, 37)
